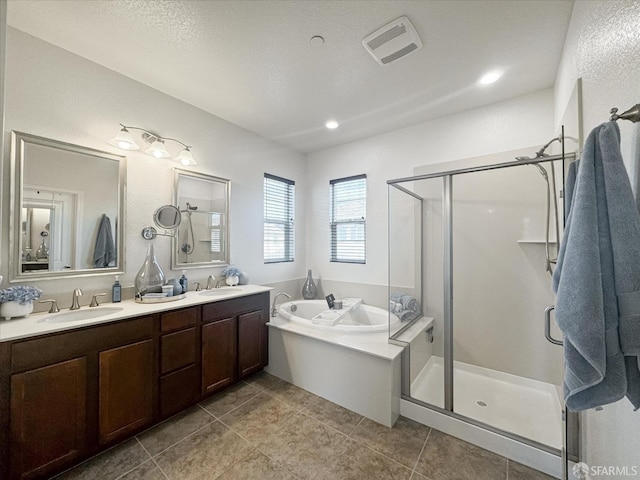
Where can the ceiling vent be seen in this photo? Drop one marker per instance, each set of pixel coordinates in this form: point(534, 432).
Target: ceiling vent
point(393, 41)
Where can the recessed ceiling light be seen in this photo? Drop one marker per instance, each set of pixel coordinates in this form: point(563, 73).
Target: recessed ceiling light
point(490, 77)
point(331, 124)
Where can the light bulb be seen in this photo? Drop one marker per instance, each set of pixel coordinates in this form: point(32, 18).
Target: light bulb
point(331, 124)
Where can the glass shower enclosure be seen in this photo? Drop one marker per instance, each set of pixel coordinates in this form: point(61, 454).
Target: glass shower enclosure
point(471, 244)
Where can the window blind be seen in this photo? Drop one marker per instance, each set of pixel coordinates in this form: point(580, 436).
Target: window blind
point(216, 233)
point(279, 231)
point(348, 213)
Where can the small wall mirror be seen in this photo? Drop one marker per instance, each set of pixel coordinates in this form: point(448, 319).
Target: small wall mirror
point(202, 239)
point(66, 209)
point(167, 217)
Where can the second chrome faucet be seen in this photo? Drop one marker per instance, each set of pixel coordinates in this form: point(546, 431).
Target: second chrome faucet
point(75, 303)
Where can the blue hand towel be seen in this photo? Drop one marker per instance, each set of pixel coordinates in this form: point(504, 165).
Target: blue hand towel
point(598, 262)
point(404, 306)
point(105, 250)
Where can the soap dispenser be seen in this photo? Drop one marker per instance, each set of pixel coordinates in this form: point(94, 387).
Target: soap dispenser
point(184, 282)
point(116, 291)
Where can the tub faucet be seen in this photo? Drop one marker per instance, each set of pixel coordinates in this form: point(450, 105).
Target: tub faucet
point(274, 310)
point(75, 304)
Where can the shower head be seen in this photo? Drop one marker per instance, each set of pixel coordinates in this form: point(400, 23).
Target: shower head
point(189, 207)
point(540, 153)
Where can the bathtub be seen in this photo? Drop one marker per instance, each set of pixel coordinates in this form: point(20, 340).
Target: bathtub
point(354, 318)
point(344, 357)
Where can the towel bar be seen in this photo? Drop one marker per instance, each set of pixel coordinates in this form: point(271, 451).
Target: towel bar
point(633, 114)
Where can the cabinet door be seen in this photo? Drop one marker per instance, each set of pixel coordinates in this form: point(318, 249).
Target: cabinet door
point(48, 418)
point(218, 355)
point(125, 390)
point(250, 344)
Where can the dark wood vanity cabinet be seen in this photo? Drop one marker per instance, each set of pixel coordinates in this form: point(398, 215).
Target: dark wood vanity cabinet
point(48, 417)
point(73, 393)
point(66, 396)
point(234, 340)
point(125, 388)
point(179, 366)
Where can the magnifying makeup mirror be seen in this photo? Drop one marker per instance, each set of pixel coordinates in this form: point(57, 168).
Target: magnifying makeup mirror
point(166, 217)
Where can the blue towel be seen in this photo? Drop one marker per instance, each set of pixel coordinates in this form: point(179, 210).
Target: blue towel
point(597, 280)
point(104, 254)
point(569, 185)
point(404, 306)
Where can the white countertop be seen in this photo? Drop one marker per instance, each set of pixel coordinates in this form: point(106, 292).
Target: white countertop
point(34, 324)
point(376, 344)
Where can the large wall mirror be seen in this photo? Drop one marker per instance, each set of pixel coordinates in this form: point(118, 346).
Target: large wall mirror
point(202, 239)
point(67, 209)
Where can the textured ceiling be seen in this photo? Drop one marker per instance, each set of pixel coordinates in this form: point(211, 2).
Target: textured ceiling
point(251, 62)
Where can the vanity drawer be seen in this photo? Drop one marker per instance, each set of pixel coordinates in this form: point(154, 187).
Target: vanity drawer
point(178, 390)
point(235, 306)
point(177, 350)
point(179, 319)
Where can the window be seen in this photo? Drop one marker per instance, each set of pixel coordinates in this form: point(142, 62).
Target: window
point(348, 211)
point(278, 219)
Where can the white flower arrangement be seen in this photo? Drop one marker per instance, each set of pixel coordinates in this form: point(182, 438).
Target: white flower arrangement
point(232, 271)
point(20, 293)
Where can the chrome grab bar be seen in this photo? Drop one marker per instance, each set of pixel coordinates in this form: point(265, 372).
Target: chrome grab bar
point(547, 325)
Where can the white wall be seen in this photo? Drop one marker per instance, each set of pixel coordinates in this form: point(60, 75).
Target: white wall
point(53, 93)
point(603, 47)
point(508, 125)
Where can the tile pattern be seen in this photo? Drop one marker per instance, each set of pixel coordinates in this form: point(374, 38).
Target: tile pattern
point(267, 429)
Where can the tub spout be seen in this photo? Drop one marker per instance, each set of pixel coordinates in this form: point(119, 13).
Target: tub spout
point(274, 310)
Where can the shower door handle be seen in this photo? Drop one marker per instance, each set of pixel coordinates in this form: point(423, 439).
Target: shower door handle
point(547, 325)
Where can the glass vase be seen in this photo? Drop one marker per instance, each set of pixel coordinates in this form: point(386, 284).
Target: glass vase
point(150, 278)
point(309, 289)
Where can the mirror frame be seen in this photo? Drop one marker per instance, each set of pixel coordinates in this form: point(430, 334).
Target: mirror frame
point(175, 264)
point(18, 141)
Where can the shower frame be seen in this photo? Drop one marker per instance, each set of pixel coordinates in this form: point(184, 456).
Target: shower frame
point(570, 450)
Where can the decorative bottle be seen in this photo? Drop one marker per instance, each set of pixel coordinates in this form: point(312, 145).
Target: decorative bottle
point(150, 278)
point(116, 291)
point(309, 289)
point(184, 282)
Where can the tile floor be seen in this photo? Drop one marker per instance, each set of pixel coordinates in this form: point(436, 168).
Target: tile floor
point(265, 428)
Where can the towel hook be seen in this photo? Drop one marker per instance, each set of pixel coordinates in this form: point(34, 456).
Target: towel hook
point(633, 114)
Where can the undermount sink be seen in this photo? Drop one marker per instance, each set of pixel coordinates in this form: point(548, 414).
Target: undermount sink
point(88, 314)
point(219, 291)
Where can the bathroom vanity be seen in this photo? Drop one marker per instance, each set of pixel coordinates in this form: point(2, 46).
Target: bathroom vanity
point(68, 394)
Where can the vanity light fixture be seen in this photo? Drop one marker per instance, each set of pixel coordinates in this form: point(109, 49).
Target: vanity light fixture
point(185, 157)
point(157, 148)
point(124, 140)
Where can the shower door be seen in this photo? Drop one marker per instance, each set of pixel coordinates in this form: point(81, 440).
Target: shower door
point(478, 238)
point(505, 372)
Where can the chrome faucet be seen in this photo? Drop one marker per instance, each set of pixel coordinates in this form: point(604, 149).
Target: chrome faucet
point(75, 304)
point(274, 310)
point(210, 281)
